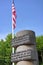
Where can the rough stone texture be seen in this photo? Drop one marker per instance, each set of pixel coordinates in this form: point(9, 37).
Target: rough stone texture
point(24, 32)
point(20, 48)
point(23, 40)
point(28, 54)
point(25, 47)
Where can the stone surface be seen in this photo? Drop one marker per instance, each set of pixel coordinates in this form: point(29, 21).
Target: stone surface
point(25, 63)
point(24, 32)
point(25, 47)
point(28, 54)
point(23, 40)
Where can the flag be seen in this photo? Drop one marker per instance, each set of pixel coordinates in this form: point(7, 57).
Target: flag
point(13, 16)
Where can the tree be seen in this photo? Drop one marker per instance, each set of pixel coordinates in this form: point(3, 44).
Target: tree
point(39, 41)
point(5, 50)
point(8, 49)
point(2, 52)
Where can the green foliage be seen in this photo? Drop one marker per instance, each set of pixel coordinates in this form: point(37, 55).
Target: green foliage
point(39, 41)
point(39, 45)
point(41, 64)
point(5, 51)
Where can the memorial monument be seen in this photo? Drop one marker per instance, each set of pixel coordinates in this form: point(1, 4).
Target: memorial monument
point(25, 45)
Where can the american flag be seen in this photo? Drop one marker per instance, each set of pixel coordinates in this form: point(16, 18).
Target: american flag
point(13, 16)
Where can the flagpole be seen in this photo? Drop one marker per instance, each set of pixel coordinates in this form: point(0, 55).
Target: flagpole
point(13, 36)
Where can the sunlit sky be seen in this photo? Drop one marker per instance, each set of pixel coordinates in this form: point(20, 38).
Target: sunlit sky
point(29, 16)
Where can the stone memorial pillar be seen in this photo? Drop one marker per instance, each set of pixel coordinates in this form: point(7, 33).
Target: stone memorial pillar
point(25, 44)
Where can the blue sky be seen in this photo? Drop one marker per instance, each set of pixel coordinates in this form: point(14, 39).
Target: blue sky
point(29, 16)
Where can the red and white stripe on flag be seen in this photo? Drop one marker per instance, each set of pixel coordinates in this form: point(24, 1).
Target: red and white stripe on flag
point(13, 16)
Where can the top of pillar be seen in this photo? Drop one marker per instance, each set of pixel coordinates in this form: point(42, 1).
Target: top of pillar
point(24, 32)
